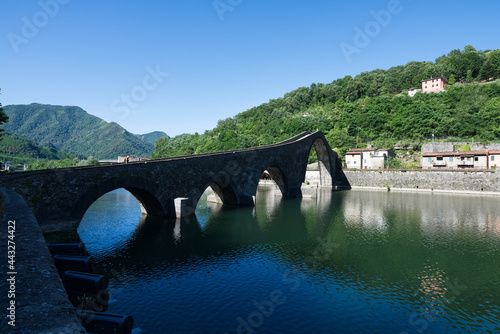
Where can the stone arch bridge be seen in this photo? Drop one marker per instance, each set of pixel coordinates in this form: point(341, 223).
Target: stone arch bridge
point(172, 187)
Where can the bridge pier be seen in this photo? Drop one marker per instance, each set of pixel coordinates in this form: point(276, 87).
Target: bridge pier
point(184, 207)
point(294, 193)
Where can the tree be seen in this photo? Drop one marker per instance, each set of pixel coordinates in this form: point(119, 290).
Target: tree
point(92, 161)
point(459, 63)
point(470, 48)
point(490, 116)
point(392, 163)
point(469, 77)
point(391, 85)
point(3, 119)
point(451, 80)
point(491, 68)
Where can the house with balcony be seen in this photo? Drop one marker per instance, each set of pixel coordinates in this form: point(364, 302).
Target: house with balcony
point(433, 85)
point(457, 160)
point(367, 158)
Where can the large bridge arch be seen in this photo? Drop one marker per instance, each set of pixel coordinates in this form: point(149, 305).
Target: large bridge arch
point(323, 152)
point(142, 190)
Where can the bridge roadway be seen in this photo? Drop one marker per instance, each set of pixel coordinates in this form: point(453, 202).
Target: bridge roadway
point(172, 187)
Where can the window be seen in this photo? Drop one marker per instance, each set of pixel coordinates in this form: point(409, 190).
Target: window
point(451, 159)
point(429, 160)
point(493, 158)
point(365, 161)
point(355, 162)
point(476, 158)
point(440, 158)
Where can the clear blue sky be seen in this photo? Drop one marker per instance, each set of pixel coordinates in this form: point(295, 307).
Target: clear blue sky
point(213, 63)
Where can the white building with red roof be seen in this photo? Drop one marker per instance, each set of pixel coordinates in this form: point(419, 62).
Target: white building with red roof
point(367, 158)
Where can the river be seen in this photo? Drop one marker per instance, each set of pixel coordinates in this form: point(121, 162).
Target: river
point(344, 262)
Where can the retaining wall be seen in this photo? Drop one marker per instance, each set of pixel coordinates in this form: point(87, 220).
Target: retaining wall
point(450, 181)
point(41, 304)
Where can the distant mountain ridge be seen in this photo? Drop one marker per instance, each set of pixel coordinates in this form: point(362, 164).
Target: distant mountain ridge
point(73, 130)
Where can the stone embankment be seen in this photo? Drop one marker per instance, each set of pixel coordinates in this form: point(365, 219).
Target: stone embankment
point(467, 182)
point(473, 182)
point(32, 294)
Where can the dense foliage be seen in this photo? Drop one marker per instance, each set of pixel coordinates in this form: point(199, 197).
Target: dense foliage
point(73, 130)
point(18, 149)
point(371, 105)
point(152, 137)
point(3, 118)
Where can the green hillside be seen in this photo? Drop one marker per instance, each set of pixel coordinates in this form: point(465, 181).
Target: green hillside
point(73, 130)
point(373, 105)
point(152, 137)
point(20, 150)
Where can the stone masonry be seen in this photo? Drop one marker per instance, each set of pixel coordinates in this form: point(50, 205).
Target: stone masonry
point(41, 305)
point(454, 181)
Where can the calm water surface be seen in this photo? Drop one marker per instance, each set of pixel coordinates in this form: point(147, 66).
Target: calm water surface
point(348, 262)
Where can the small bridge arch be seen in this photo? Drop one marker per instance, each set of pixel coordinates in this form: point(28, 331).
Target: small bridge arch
point(224, 191)
point(279, 178)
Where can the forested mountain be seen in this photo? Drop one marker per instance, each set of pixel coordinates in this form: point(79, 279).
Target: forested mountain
point(371, 105)
point(73, 130)
point(20, 150)
point(152, 137)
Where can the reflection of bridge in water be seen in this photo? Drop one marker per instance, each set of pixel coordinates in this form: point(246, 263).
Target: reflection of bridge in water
point(172, 187)
point(216, 229)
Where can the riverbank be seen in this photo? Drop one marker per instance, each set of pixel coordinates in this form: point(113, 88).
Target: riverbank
point(485, 182)
point(465, 182)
